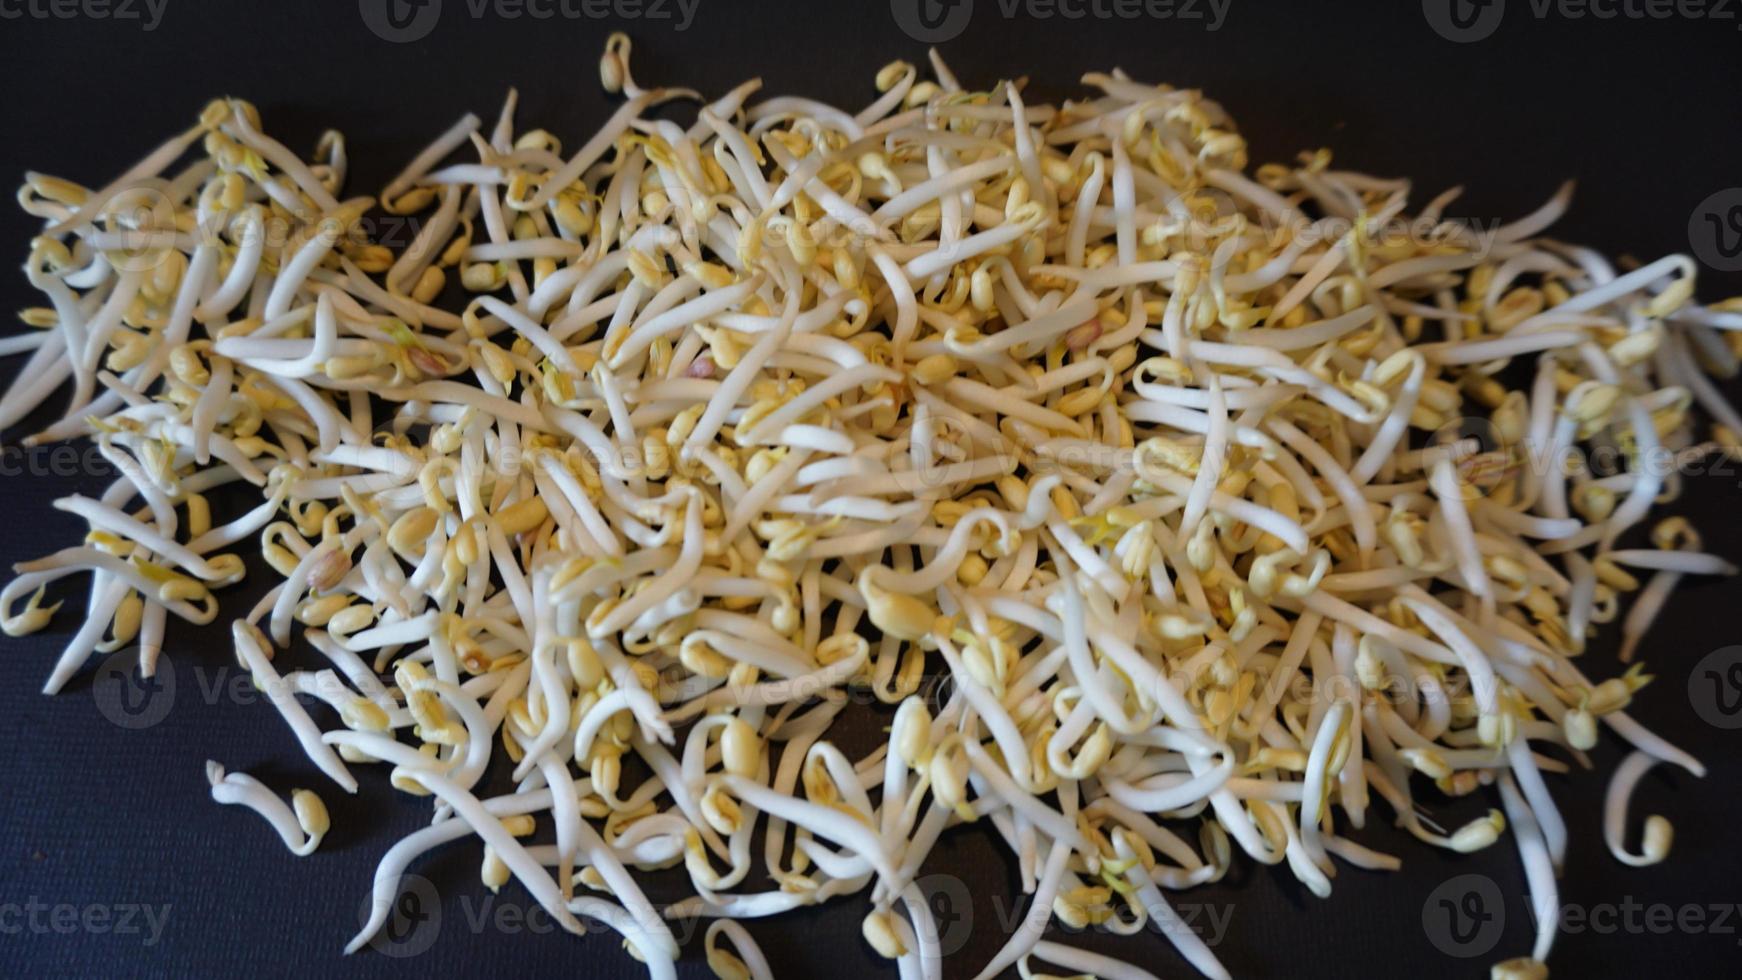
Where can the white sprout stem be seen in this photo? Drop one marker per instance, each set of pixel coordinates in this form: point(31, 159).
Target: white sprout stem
point(1176, 929)
point(254, 657)
point(1539, 868)
point(1085, 962)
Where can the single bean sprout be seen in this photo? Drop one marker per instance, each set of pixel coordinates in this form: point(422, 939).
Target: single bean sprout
point(1209, 493)
point(301, 823)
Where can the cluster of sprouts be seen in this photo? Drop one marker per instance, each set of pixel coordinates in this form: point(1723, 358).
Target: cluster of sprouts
point(1178, 512)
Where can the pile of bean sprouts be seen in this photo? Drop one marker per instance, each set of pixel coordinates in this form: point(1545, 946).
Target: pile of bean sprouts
point(1179, 511)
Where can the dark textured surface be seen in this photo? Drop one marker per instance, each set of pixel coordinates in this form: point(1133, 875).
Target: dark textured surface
point(97, 821)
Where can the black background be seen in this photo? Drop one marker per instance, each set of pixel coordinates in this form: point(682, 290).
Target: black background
point(1644, 112)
